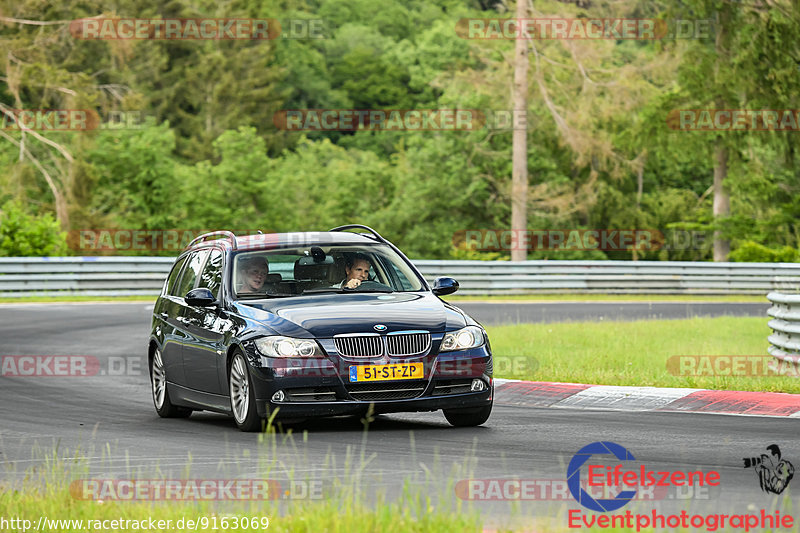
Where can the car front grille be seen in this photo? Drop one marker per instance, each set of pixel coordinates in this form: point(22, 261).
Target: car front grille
point(359, 345)
point(408, 343)
point(444, 387)
point(371, 345)
point(374, 392)
point(311, 394)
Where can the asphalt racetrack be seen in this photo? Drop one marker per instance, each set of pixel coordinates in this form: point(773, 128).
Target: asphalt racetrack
point(109, 419)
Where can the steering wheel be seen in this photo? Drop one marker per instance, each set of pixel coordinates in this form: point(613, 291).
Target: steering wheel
point(371, 285)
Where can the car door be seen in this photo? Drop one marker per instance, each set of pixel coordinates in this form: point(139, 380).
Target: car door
point(167, 316)
point(191, 273)
point(204, 351)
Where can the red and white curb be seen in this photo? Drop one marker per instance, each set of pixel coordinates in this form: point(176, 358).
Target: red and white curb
point(618, 398)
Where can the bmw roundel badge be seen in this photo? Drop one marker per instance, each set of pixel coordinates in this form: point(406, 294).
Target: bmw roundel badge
point(379, 327)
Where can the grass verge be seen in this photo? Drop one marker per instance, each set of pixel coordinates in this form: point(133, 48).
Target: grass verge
point(633, 353)
point(51, 497)
point(62, 513)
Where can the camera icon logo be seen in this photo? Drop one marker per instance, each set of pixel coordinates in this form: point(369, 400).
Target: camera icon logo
point(774, 473)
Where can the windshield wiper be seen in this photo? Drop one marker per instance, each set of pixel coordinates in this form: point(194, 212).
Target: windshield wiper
point(261, 296)
point(322, 291)
point(345, 291)
point(373, 290)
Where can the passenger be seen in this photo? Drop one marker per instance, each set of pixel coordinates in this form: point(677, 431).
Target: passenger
point(253, 274)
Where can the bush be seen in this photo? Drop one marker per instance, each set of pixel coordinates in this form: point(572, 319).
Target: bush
point(25, 235)
point(752, 252)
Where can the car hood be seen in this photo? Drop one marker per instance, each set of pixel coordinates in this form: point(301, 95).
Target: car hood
point(326, 315)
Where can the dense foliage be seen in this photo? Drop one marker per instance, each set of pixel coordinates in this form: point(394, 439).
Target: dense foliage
point(204, 151)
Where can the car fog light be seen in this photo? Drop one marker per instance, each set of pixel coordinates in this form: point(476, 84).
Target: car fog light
point(478, 385)
point(280, 396)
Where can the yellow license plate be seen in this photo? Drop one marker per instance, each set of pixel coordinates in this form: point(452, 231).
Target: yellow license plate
point(386, 372)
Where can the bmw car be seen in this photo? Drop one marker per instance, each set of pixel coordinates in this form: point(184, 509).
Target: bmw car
point(299, 325)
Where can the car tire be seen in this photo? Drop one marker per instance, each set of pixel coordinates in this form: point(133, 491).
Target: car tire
point(158, 386)
point(243, 398)
point(468, 417)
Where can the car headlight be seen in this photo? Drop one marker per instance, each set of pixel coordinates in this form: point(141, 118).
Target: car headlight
point(279, 346)
point(468, 337)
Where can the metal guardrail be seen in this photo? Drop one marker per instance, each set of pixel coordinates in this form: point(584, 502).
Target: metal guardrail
point(785, 324)
point(82, 276)
point(123, 276)
point(615, 277)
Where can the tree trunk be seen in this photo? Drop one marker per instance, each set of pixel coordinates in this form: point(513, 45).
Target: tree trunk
point(519, 159)
point(639, 193)
point(722, 199)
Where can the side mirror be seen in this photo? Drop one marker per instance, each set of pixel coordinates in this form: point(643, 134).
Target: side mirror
point(442, 286)
point(200, 297)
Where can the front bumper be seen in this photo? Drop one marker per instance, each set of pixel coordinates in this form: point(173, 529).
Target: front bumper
point(354, 407)
point(321, 387)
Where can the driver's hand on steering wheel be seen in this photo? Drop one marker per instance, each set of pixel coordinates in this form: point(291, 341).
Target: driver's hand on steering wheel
point(352, 284)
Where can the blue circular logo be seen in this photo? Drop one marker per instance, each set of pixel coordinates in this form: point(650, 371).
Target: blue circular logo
point(379, 327)
point(574, 476)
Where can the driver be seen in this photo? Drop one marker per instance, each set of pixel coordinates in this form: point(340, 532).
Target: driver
point(253, 274)
point(357, 270)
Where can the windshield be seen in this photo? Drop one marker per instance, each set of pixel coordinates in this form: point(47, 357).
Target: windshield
point(321, 269)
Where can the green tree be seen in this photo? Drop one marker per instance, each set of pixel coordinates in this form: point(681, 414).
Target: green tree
point(230, 191)
point(26, 235)
point(135, 180)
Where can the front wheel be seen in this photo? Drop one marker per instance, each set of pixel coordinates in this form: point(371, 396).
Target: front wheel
point(468, 417)
point(243, 399)
point(158, 380)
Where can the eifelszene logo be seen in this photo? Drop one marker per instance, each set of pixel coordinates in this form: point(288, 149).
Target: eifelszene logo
point(609, 477)
point(774, 473)
point(574, 476)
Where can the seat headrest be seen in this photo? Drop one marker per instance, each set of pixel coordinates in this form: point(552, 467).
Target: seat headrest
point(337, 272)
point(273, 278)
point(306, 268)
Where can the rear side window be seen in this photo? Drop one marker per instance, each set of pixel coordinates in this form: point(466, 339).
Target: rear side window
point(174, 275)
point(191, 272)
point(211, 277)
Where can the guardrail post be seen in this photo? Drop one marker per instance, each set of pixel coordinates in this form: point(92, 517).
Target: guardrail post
point(785, 324)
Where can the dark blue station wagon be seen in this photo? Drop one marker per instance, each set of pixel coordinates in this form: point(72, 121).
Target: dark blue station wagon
point(298, 325)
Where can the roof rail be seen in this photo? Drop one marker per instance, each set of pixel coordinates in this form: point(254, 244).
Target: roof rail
point(360, 226)
point(202, 238)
